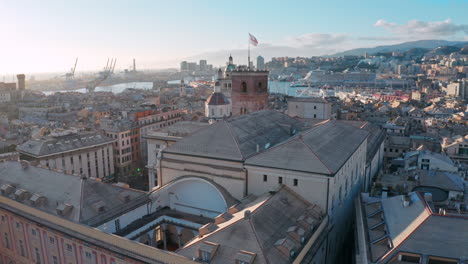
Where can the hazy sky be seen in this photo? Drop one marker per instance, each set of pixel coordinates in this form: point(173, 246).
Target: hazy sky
point(46, 35)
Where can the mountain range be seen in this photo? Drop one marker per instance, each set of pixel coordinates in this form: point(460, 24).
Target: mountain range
point(436, 46)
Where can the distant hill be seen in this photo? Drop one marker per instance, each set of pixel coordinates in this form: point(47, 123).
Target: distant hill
point(444, 50)
point(464, 50)
point(416, 46)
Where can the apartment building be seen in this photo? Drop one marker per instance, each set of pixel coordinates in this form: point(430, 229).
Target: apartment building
point(315, 108)
point(82, 153)
point(126, 144)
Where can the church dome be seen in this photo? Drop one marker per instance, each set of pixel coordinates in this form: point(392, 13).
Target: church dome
point(217, 99)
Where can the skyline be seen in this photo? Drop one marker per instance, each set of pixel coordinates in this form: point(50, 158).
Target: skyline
point(48, 36)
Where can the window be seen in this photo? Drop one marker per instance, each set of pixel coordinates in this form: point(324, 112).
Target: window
point(280, 180)
point(51, 240)
point(205, 256)
point(7, 241)
point(55, 259)
point(38, 256)
point(244, 87)
point(265, 178)
point(69, 247)
point(315, 107)
point(295, 182)
point(22, 251)
point(33, 232)
point(260, 87)
point(88, 255)
point(315, 116)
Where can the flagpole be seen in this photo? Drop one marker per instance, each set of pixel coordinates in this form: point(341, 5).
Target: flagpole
point(248, 59)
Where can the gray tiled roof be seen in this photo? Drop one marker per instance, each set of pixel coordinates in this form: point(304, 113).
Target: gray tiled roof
point(416, 229)
point(259, 233)
point(322, 149)
point(52, 145)
point(237, 138)
point(59, 188)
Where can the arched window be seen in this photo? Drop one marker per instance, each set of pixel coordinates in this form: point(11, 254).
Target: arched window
point(260, 87)
point(244, 87)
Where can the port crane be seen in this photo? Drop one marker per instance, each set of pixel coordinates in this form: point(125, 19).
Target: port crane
point(102, 76)
point(71, 75)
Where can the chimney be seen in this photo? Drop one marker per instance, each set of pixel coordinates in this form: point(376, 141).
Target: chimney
point(64, 209)
point(384, 195)
point(21, 81)
point(406, 200)
point(24, 164)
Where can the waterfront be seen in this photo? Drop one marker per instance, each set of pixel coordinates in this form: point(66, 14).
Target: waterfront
point(116, 88)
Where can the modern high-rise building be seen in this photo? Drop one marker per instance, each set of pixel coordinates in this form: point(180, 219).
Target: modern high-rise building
point(203, 65)
point(260, 63)
point(192, 66)
point(184, 66)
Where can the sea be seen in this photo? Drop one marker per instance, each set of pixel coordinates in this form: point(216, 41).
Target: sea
point(116, 88)
point(273, 87)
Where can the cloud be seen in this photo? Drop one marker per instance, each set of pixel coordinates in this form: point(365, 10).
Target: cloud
point(316, 40)
point(420, 28)
point(378, 38)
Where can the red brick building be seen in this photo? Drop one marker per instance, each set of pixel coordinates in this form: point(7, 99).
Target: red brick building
point(249, 91)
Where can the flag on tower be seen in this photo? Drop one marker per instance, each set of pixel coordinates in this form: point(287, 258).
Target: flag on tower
point(253, 40)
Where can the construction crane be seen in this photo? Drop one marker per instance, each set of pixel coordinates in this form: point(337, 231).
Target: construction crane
point(102, 76)
point(70, 75)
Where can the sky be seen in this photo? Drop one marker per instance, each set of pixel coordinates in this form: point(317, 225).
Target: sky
point(47, 35)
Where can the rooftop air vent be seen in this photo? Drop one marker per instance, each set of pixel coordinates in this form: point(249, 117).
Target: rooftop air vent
point(124, 197)
point(64, 209)
point(37, 200)
point(245, 257)
point(99, 206)
point(7, 189)
point(22, 194)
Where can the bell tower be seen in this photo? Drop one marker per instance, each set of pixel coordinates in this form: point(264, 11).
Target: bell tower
point(249, 91)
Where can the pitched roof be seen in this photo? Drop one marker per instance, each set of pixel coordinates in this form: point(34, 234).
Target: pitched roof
point(415, 228)
point(51, 145)
point(322, 149)
point(238, 137)
point(271, 217)
point(59, 188)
